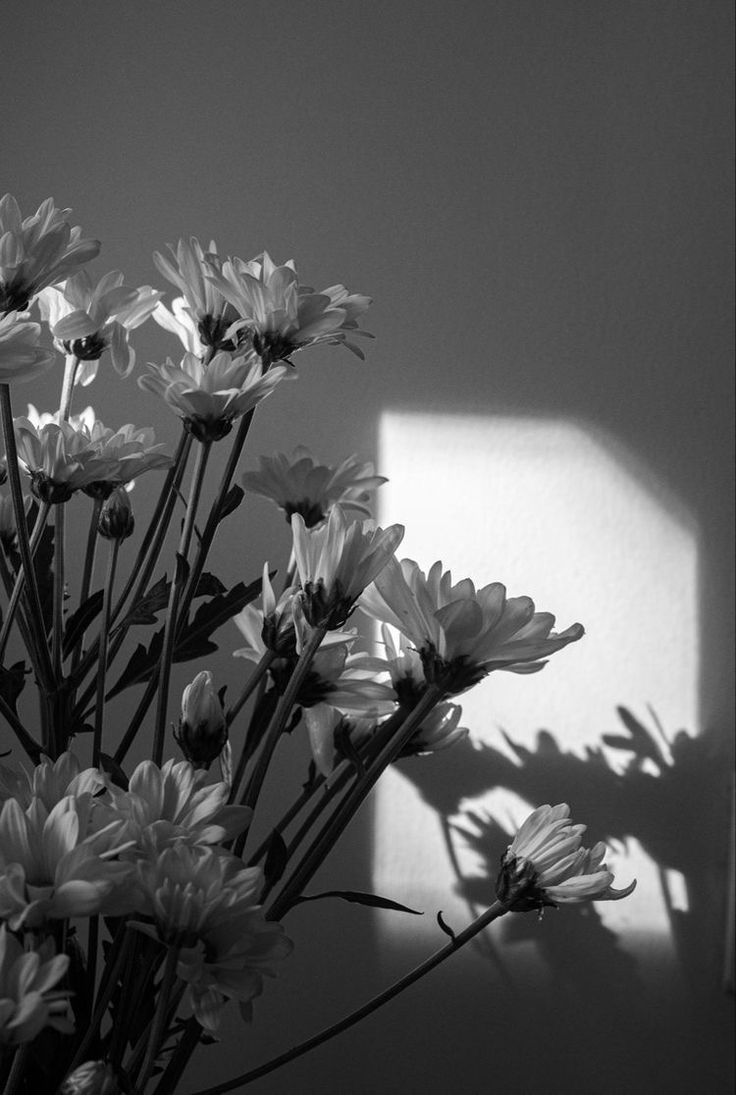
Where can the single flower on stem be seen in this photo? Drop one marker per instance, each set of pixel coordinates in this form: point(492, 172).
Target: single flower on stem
point(87, 318)
point(298, 484)
point(37, 251)
point(29, 1000)
point(462, 633)
point(545, 864)
point(210, 397)
point(336, 562)
point(202, 732)
point(21, 357)
point(189, 269)
point(279, 315)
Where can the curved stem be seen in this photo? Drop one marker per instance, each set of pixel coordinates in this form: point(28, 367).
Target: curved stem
point(177, 584)
point(493, 913)
point(44, 666)
point(102, 664)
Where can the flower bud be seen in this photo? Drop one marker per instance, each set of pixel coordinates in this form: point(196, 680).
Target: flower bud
point(91, 1078)
point(202, 729)
point(116, 517)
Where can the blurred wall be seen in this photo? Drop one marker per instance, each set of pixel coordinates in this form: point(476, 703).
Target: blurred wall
point(537, 196)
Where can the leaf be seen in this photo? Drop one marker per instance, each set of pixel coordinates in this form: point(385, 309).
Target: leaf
point(144, 611)
point(276, 858)
point(445, 926)
point(193, 642)
point(12, 683)
point(80, 620)
point(359, 898)
point(230, 502)
point(140, 665)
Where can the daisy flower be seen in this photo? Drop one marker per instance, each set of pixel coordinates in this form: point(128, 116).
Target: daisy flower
point(27, 1000)
point(21, 357)
point(189, 269)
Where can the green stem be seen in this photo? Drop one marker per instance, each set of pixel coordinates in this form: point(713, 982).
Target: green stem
point(330, 832)
point(158, 1028)
point(111, 975)
point(44, 666)
point(493, 913)
point(38, 528)
point(296, 806)
point(14, 1082)
point(177, 584)
point(67, 389)
point(89, 564)
point(58, 623)
point(102, 664)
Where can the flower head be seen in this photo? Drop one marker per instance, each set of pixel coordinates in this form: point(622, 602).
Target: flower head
point(87, 318)
point(208, 309)
point(336, 562)
point(298, 484)
point(21, 357)
point(51, 781)
point(178, 320)
point(202, 729)
point(37, 251)
point(210, 397)
point(116, 520)
point(546, 865)
point(462, 633)
point(281, 316)
point(27, 1002)
point(91, 1078)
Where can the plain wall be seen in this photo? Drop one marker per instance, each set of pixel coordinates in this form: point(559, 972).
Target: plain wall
point(537, 195)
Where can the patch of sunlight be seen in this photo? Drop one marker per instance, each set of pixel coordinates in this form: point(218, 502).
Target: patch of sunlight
point(555, 512)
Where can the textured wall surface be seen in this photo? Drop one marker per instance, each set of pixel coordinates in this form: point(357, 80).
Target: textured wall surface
point(538, 198)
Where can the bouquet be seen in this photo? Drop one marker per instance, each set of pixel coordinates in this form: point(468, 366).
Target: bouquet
point(137, 902)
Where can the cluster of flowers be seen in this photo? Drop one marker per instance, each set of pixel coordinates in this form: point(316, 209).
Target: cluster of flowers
point(74, 845)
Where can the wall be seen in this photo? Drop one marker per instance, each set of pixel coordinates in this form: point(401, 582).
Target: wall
point(537, 197)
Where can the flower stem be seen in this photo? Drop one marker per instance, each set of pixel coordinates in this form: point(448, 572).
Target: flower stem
point(14, 1082)
point(158, 1027)
point(58, 623)
point(89, 564)
point(67, 389)
point(177, 584)
point(330, 832)
point(493, 913)
point(44, 667)
point(38, 528)
point(102, 664)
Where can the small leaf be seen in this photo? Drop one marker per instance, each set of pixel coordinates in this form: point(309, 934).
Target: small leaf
point(114, 771)
point(80, 620)
point(359, 898)
point(181, 572)
point(276, 859)
point(12, 683)
point(230, 502)
point(144, 611)
point(445, 926)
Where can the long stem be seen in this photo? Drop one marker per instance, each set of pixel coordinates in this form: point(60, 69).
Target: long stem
point(158, 1028)
point(493, 913)
point(58, 624)
point(110, 980)
point(177, 584)
point(67, 389)
point(14, 1083)
point(102, 665)
point(89, 565)
point(331, 831)
point(38, 528)
point(44, 667)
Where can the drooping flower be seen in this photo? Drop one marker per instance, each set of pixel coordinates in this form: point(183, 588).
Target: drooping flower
point(28, 1002)
point(209, 311)
point(336, 562)
point(210, 397)
point(37, 251)
point(298, 484)
point(53, 865)
point(202, 729)
point(462, 633)
point(281, 316)
point(545, 864)
point(21, 357)
point(172, 803)
point(87, 318)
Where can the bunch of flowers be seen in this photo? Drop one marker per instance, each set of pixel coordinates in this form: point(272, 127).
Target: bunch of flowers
point(136, 906)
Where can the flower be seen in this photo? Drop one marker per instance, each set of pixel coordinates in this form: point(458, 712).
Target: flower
point(202, 729)
point(91, 1078)
point(53, 865)
point(280, 315)
point(270, 627)
point(27, 1004)
point(336, 562)
point(116, 520)
point(86, 319)
point(208, 309)
point(463, 634)
point(178, 320)
point(300, 485)
point(50, 781)
point(546, 865)
point(122, 456)
point(21, 358)
point(209, 397)
point(172, 803)
point(37, 251)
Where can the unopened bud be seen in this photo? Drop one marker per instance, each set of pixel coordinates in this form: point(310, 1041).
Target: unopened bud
point(91, 1078)
point(202, 729)
point(116, 516)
